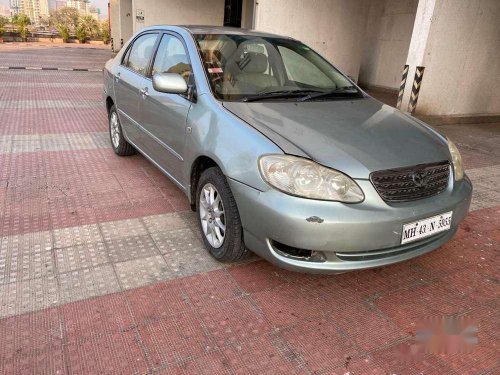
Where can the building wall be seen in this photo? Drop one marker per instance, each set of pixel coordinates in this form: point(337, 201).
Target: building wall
point(334, 28)
point(462, 59)
point(387, 40)
point(176, 12)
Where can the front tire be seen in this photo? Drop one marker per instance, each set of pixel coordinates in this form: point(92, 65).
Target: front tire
point(118, 142)
point(218, 217)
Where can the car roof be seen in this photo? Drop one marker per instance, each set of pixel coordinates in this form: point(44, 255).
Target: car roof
point(207, 29)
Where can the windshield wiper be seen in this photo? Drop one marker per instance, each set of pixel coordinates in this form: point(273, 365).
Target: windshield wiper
point(280, 94)
point(340, 91)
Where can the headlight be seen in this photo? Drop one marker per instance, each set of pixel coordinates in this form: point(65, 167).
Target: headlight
point(456, 159)
point(305, 178)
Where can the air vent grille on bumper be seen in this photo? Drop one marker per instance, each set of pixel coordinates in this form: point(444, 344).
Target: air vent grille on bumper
point(411, 183)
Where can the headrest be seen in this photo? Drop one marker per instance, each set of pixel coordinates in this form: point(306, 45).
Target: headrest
point(253, 62)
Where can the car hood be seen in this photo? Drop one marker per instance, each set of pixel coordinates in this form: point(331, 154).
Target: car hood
point(356, 137)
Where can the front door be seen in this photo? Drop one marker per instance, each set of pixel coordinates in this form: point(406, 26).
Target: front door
point(164, 115)
point(130, 77)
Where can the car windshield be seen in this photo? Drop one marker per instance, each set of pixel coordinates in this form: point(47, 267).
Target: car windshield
point(254, 68)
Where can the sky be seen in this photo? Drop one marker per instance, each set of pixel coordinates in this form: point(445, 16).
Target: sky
point(102, 4)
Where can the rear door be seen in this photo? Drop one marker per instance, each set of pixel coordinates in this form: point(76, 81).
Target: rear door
point(165, 115)
point(130, 78)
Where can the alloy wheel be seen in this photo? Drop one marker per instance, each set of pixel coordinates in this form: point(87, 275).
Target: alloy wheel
point(213, 221)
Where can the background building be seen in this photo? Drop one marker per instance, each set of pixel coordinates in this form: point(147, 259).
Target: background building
point(34, 9)
point(83, 6)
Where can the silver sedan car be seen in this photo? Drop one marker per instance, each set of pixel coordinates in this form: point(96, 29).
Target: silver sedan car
point(280, 153)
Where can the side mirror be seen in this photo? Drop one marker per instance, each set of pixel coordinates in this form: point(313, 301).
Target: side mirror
point(171, 83)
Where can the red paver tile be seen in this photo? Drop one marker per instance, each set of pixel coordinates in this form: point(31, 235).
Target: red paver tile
point(366, 327)
point(405, 358)
point(320, 344)
point(211, 363)
point(409, 306)
point(97, 316)
point(116, 353)
point(157, 301)
point(32, 343)
point(265, 354)
point(233, 321)
point(175, 340)
point(288, 305)
point(211, 287)
point(258, 276)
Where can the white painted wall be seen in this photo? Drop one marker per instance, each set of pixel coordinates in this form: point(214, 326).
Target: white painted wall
point(387, 40)
point(461, 55)
point(179, 12)
point(334, 28)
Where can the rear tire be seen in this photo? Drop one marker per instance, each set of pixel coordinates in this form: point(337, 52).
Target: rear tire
point(118, 142)
point(218, 217)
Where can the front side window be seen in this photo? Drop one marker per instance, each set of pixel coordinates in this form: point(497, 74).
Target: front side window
point(172, 57)
point(140, 53)
point(249, 67)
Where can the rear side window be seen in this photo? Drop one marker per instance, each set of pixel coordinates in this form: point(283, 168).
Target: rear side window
point(140, 53)
point(172, 57)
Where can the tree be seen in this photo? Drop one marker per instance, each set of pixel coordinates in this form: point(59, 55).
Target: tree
point(81, 34)
point(63, 32)
point(3, 21)
point(65, 17)
point(104, 33)
point(90, 25)
point(22, 21)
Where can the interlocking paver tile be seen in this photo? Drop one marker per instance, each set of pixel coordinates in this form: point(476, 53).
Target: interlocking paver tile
point(212, 287)
point(88, 282)
point(85, 255)
point(156, 301)
point(262, 356)
point(116, 353)
point(131, 248)
point(176, 240)
point(71, 236)
point(95, 317)
point(175, 339)
point(233, 321)
point(120, 229)
point(165, 222)
point(29, 295)
point(24, 257)
point(143, 271)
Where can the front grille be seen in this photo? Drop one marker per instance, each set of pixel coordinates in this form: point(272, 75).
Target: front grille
point(411, 183)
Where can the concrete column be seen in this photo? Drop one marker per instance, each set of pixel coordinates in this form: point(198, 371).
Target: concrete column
point(457, 42)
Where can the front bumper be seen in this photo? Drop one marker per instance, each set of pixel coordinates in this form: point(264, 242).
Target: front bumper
point(351, 236)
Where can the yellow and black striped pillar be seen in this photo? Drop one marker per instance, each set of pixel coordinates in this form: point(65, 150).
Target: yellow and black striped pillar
point(402, 86)
point(121, 43)
point(415, 89)
point(112, 45)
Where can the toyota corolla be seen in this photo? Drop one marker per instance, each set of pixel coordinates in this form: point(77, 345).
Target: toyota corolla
point(280, 153)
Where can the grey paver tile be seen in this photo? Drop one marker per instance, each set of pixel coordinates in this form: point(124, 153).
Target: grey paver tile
point(191, 261)
point(164, 222)
point(71, 236)
point(83, 255)
point(26, 256)
point(88, 282)
point(29, 295)
point(139, 272)
point(131, 248)
point(113, 230)
point(177, 239)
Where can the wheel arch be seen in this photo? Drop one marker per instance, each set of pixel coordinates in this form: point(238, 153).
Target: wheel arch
point(200, 164)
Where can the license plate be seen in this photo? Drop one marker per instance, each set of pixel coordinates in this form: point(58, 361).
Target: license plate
point(426, 227)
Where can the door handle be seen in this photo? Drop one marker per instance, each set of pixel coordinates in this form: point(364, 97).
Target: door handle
point(117, 77)
point(144, 92)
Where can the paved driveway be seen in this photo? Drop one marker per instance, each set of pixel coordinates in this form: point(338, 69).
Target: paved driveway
point(102, 269)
